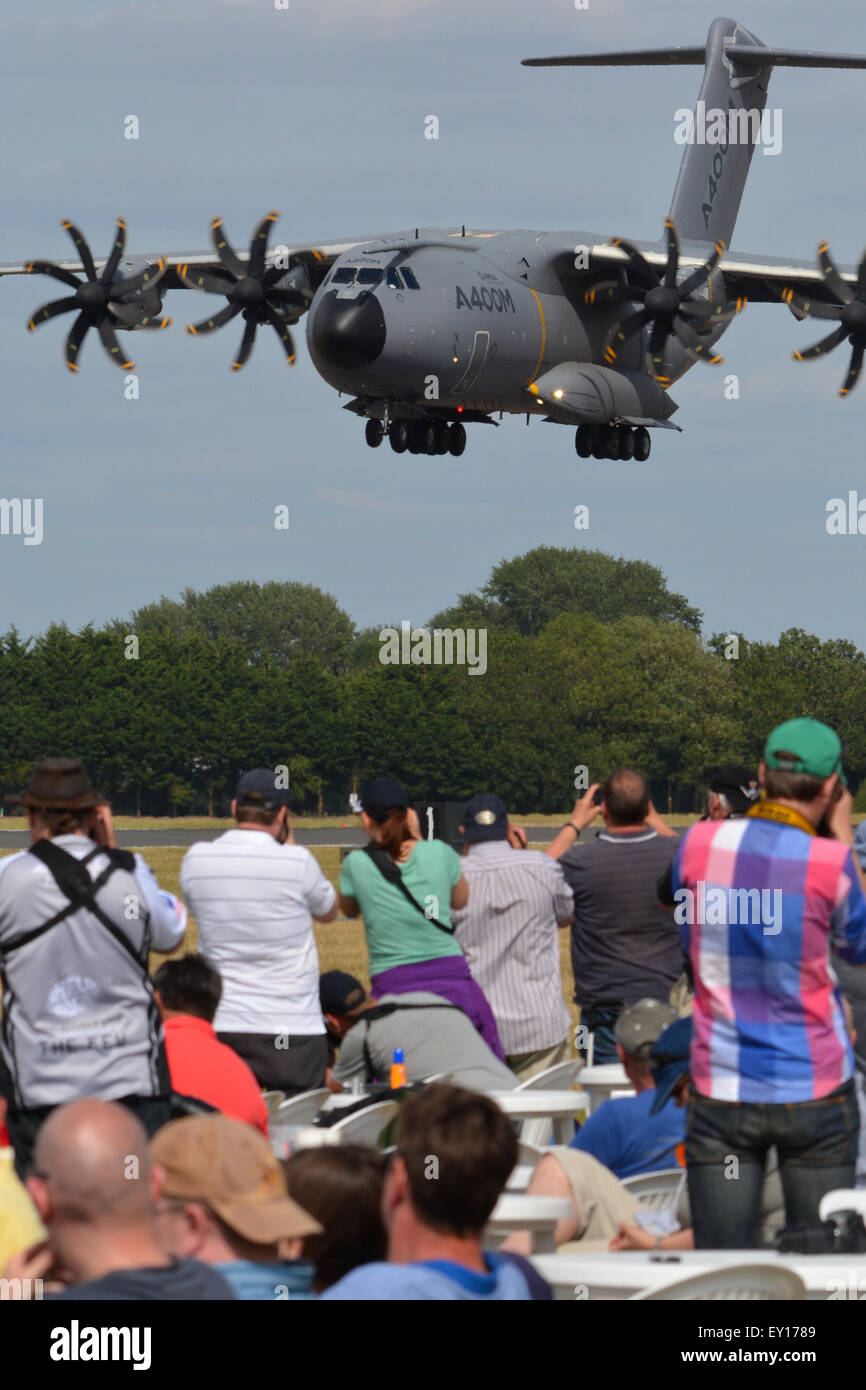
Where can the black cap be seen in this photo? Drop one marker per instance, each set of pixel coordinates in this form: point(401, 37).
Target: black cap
point(259, 788)
point(485, 818)
point(738, 785)
point(380, 795)
point(340, 993)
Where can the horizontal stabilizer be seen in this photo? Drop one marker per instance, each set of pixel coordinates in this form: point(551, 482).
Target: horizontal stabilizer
point(743, 55)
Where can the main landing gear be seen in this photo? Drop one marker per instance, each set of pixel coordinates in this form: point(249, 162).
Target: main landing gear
point(419, 436)
point(613, 442)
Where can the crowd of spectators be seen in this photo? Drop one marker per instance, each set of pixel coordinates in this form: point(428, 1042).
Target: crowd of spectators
point(716, 967)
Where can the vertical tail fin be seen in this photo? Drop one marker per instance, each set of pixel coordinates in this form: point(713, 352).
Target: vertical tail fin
point(737, 70)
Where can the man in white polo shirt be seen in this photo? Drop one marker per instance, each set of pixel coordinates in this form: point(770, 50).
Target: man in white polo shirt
point(254, 894)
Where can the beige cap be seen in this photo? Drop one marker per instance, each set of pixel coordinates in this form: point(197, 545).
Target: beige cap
point(229, 1166)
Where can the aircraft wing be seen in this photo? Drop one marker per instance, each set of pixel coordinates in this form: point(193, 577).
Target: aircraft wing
point(759, 279)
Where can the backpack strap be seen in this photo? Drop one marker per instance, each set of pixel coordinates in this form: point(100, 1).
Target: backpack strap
point(389, 870)
point(75, 883)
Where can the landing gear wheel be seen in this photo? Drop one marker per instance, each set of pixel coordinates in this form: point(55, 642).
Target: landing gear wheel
point(642, 444)
point(442, 437)
point(456, 439)
point(427, 435)
point(606, 443)
point(374, 432)
point(398, 434)
point(416, 443)
point(625, 441)
point(584, 441)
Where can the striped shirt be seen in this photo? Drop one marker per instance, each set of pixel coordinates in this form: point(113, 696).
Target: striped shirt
point(760, 904)
point(509, 936)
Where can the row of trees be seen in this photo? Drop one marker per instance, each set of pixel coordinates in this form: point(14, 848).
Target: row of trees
point(590, 661)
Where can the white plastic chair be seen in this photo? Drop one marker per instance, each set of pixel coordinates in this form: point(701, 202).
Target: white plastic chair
point(528, 1153)
point(746, 1281)
point(656, 1190)
point(438, 1076)
point(273, 1100)
point(558, 1078)
point(365, 1126)
point(300, 1110)
point(539, 1133)
point(842, 1199)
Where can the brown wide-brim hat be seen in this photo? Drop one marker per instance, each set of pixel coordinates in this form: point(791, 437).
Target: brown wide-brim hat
point(60, 784)
point(229, 1166)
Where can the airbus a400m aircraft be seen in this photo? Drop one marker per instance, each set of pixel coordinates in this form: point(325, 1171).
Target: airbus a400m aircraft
point(430, 330)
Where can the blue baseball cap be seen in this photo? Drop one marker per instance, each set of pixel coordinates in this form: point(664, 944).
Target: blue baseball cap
point(485, 818)
point(670, 1060)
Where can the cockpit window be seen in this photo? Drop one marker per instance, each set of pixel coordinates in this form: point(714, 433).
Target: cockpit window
point(409, 277)
point(392, 278)
point(345, 275)
point(370, 275)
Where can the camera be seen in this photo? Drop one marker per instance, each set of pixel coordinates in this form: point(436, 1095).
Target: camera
point(843, 1234)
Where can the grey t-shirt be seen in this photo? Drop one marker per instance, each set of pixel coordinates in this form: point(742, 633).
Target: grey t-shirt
point(435, 1039)
point(184, 1280)
point(624, 945)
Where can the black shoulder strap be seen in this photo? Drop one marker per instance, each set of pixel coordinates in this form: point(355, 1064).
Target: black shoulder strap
point(75, 883)
point(389, 870)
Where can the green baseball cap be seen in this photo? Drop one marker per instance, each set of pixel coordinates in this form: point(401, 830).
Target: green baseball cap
point(805, 745)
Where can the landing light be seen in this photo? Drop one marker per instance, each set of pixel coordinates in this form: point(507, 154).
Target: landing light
point(558, 395)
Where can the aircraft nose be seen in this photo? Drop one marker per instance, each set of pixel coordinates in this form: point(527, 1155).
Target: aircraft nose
point(349, 332)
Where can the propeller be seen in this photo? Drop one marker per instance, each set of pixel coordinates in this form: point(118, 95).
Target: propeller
point(666, 305)
point(850, 314)
point(250, 289)
point(95, 294)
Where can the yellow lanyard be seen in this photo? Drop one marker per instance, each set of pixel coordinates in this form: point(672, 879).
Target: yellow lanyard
point(783, 815)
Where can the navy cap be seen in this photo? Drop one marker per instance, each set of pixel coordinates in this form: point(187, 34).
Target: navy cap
point(340, 993)
point(380, 795)
point(485, 818)
point(670, 1061)
point(259, 788)
point(739, 785)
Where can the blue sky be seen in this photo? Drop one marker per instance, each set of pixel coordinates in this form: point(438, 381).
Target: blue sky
point(319, 111)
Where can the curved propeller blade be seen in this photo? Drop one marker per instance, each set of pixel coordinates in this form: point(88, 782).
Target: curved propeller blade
point(690, 339)
point(612, 292)
point(854, 368)
point(226, 252)
point(626, 330)
point(821, 349)
point(210, 325)
point(259, 245)
point(697, 277)
point(164, 322)
point(673, 261)
point(809, 308)
point(246, 346)
point(81, 247)
point(55, 271)
point(282, 331)
point(834, 280)
point(74, 339)
point(115, 254)
point(639, 263)
point(50, 311)
point(112, 346)
point(211, 282)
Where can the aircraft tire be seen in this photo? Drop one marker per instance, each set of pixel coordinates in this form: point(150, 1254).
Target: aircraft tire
point(642, 444)
point(374, 432)
point(398, 435)
point(456, 439)
point(584, 441)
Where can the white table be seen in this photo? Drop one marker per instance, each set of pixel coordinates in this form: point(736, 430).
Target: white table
point(515, 1211)
point(558, 1106)
point(619, 1274)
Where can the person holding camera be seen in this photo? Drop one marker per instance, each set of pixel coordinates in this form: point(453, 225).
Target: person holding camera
point(406, 889)
point(760, 901)
point(254, 894)
point(78, 917)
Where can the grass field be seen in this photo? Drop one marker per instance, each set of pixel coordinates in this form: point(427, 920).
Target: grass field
point(302, 822)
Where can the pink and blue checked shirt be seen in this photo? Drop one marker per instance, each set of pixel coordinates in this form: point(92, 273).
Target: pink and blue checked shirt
point(768, 1021)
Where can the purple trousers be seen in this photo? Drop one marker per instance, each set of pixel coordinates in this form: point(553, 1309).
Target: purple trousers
point(449, 977)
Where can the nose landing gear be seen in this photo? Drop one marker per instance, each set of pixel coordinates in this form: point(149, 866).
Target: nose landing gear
point(612, 442)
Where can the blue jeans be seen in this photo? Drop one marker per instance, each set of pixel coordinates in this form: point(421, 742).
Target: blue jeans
point(600, 1020)
point(726, 1148)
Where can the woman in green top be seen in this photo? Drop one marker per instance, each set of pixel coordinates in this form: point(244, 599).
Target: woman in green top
point(407, 950)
